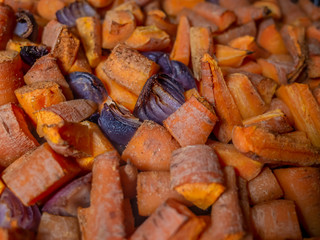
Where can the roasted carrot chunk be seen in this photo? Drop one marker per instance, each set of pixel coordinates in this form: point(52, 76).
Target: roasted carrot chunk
point(159, 19)
point(155, 146)
point(173, 7)
point(301, 186)
point(196, 174)
point(35, 175)
point(272, 6)
point(7, 24)
point(81, 63)
point(15, 137)
point(192, 123)
point(228, 56)
point(153, 189)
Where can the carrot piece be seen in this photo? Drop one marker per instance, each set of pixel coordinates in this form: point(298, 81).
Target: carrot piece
point(196, 174)
point(245, 95)
point(148, 38)
point(89, 29)
point(316, 94)
point(264, 187)
point(65, 49)
point(117, 27)
point(227, 220)
point(267, 147)
point(312, 83)
point(270, 38)
point(275, 121)
point(51, 33)
point(226, 108)
point(159, 19)
point(105, 216)
point(15, 137)
point(218, 15)
point(190, 230)
point(191, 92)
point(100, 3)
point(304, 108)
point(129, 68)
point(133, 7)
point(230, 156)
point(99, 144)
point(49, 13)
point(7, 24)
point(228, 56)
point(291, 12)
point(37, 174)
point(206, 83)
point(232, 33)
point(249, 13)
point(313, 66)
point(301, 186)
point(128, 176)
point(81, 63)
point(192, 123)
point(200, 43)
point(311, 10)
point(53, 227)
point(276, 219)
point(16, 234)
point(153, 189)
point(173, 7)
point(155, 146)
point(234, 4)
point(181, 48)
point(251, 67)
point(243, 42)
point(38, 95)
point(272, 6)
point(46, 69)
point(277, 103)
point(166, 221)
point(116, 91)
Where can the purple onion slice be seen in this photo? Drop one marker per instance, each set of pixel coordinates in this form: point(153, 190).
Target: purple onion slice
point(26, 26)
point(160, 97)
point(69, 14)
point(67, 200)
point(177, 70)
point(87, 86)
point(13, 211)
point(117, 123)
point(29, 54)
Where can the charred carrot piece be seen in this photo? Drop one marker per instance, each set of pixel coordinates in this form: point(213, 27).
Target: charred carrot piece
point(227, 220)
point(228, 56)
point(196, 174)
point(38, 95)
point(117, 27)
point(89, 29)
point(300, 185)
point(230, 156)
point(98, 144)
point(192, 123)
point(232, 33)
point(304, 108)
point(226, 108)
point(200, 43)
point(105, 216)
point(160, 20)
point(267, 147)
point(165, 222)
point(129, 68)
point(275, 121)
point(148, 38)
point(116, 91)
point(206, 83)
point(129, 176)
point(173, 7)
point(7, 24)
point(81, 63)
point(276, 219)
point(181, 47)
point(47, 69)
point(249, 13)
point(272, 5)
point(153, 189)
point(129, 220)
point(270, 38)
point(35, 175)
point(155, 146)
point(53, 227)
point(245, 95)
point(15, 136)
point(218, 15)
point(264, 187)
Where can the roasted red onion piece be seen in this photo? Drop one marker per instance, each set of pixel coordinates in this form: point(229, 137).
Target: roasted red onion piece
point(12, 211)
point(69, 14)
point(177, 70)
point(26, 26)
point(29, 54)
point(117, 123)
point(160, 97)
point(87, 86)
point(67, 200)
